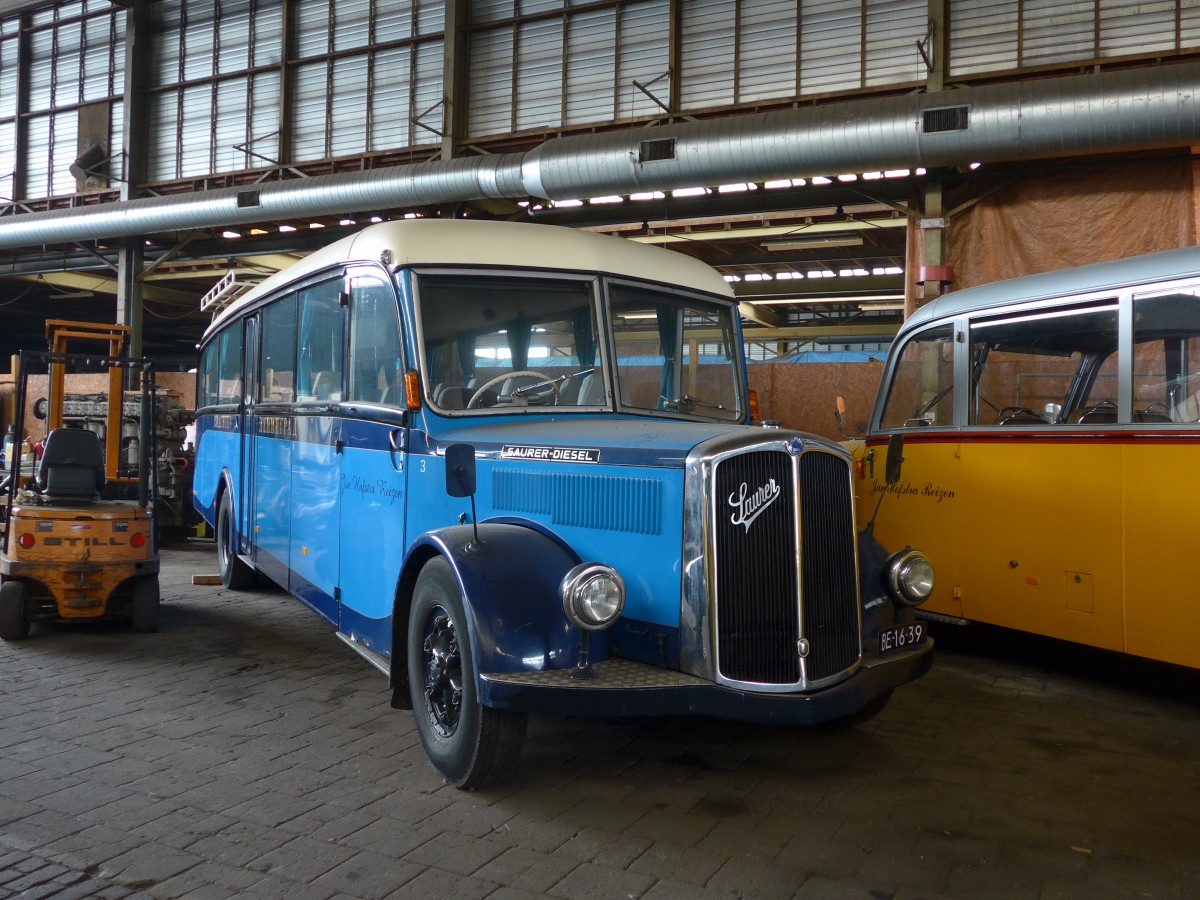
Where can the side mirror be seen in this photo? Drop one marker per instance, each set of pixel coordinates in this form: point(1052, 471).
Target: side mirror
point(460, 470)
point(895, 458)
point(839, 413)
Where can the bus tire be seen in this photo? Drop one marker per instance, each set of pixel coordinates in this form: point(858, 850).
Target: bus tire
point(14, 624)
point(235, 574)
point(468, 743)
point(144, 607)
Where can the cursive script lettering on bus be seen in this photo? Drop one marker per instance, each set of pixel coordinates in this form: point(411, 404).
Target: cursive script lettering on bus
point(749, 506)
point(908, 489)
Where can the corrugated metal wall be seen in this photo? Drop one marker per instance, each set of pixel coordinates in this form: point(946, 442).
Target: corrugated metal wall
point(366, 75)
point(8, 106)
point(363, 70)
point(76, 57)
point(731, 52)
point(216, 86)
point(994, 36)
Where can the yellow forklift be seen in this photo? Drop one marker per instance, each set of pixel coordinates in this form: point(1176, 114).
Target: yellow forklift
point(79, 538)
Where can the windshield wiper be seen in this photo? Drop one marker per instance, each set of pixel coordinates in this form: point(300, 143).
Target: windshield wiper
point(533, 388)
point(684, 403)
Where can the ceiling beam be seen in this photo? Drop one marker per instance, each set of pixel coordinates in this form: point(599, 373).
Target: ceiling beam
point(761, 314)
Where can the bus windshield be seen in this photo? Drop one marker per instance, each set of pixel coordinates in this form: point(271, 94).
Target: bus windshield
point(494, 342)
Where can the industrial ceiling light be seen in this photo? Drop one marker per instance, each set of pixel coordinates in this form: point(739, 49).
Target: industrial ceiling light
point(816, 240)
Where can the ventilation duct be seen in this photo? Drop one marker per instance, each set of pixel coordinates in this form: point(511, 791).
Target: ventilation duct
point(1077, 115)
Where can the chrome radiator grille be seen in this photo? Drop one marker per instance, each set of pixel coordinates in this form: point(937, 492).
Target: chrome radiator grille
point(769, 594)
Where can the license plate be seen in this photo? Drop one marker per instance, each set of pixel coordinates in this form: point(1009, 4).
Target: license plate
point(900, 637)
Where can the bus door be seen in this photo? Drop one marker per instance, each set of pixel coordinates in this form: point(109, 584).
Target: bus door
point(924, 509)
point(273, 433)
point(245, 482)
point(314, 560)
point(1042, 531)
point(374, 462)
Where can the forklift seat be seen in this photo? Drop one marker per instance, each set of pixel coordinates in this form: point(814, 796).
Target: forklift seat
point(72, 466)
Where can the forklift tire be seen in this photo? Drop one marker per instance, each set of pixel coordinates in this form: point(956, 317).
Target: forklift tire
point(14, 626)
point(145, 604)
point(235, 574)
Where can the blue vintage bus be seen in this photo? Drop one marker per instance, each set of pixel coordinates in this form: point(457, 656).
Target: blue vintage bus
point(513, 466)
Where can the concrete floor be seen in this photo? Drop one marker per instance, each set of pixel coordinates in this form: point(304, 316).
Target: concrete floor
point(243, 750)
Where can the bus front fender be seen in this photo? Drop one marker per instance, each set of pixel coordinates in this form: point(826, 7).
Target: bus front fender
point(509, 580)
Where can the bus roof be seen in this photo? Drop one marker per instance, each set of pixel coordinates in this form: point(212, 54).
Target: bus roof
point(469, 242)
point(1112, 275)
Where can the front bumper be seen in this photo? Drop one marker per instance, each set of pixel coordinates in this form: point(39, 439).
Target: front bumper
point(625, 688)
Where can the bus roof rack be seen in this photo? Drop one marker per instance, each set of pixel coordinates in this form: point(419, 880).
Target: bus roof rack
point(225, 292)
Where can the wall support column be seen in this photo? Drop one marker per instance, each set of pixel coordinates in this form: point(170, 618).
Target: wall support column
point(131, 255)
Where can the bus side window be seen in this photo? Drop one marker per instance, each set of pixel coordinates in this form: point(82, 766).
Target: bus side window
point(1046, 369)
point(277, 368)
point(922, 382)
point(319, 366)
point(209, 374)
point(1166, 363)
point(229, 377)
point(375, 361)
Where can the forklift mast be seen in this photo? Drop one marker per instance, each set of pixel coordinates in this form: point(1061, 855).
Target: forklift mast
point(60, 334)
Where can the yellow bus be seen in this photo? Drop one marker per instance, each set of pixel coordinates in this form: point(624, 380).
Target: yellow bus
point(1052, 435)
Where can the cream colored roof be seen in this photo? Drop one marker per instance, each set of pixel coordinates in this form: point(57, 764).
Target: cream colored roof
point(458, 242)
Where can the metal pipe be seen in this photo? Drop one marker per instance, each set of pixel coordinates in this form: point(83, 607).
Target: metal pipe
point(1110, 112)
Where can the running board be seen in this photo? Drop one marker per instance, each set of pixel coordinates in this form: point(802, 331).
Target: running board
point(378, 660)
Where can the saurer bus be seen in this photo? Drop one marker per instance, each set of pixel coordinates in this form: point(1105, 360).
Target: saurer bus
point(1051, 428)
point(513, 466)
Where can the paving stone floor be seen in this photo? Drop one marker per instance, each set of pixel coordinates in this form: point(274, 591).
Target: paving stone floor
point(244, 751)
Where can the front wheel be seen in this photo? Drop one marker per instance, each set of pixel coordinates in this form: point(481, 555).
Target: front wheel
point(235, 574)
point(145, 604)
point(470, 744)
point(14, 624)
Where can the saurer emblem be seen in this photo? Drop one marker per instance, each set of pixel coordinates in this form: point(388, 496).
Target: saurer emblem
point(749, 506)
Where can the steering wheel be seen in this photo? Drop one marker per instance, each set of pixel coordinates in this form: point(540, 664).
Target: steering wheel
point(478, 395)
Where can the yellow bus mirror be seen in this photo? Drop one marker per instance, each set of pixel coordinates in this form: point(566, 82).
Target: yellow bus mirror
point(839, 413)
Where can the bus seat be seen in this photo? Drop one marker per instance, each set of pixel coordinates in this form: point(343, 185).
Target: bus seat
point(1188, 410)
point(591, 392)
point(72, 466)
point(322, 385)
point(450, 396)
point(1098, 417)
point(568, 391)
point(1152, 417)
point(1022, 418)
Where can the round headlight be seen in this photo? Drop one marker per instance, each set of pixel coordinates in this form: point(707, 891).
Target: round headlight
point(909, 577)
point(593, 596)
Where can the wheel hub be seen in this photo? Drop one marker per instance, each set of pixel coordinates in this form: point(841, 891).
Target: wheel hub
point(443, 674)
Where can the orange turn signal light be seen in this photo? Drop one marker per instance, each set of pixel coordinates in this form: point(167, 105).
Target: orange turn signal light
point(412, 389)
